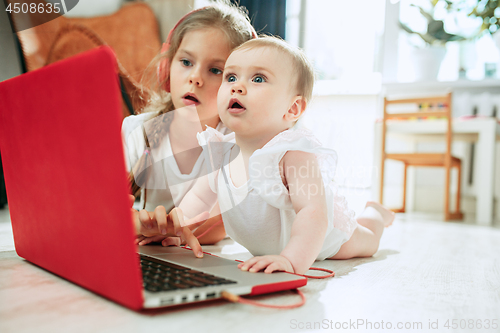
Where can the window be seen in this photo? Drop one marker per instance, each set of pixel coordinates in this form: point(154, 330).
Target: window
point(470, 56)
point(341, 38)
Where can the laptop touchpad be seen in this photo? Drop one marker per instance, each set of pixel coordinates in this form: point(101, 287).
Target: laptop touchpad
point(185, 257)
point(188, 259)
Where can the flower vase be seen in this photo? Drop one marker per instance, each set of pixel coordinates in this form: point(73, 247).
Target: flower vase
point(427, 62)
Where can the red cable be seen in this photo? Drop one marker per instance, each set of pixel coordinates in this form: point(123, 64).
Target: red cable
point(237, 299)
point(332, 273)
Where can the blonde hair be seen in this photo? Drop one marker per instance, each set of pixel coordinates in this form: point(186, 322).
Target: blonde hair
point(229, 18)
point(302, 68)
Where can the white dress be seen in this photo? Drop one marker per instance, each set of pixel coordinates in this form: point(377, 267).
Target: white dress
point(166, 185)
point(259, 214)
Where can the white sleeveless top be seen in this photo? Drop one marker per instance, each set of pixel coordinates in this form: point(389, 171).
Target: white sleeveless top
point(259, 214)
point(166, 185)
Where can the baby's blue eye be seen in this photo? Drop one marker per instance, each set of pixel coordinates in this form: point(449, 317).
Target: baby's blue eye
point(259, 79)
point(216, 71)
point(231, 78)
point(186, 62)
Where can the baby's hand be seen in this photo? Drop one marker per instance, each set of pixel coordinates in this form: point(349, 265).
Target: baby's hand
point(269, 263)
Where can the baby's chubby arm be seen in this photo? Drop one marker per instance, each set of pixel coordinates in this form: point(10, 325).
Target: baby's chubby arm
point(199, 199)
point(305, 185)
point(303, 177)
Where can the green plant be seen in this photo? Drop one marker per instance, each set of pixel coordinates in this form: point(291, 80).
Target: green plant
point(435, 35)
point(489, 12)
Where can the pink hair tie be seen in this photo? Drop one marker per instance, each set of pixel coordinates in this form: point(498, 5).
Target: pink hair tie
point(146, 151)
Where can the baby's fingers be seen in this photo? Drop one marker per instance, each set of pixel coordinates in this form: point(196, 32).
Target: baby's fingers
point(275, 266)
point(247, 264)
point(250, 263)
point(260, 265)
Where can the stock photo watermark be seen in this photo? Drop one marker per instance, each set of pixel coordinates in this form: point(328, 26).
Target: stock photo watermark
point(26, 14)
point(366, 324)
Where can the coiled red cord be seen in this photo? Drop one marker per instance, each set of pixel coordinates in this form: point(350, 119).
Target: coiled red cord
point(238, 299)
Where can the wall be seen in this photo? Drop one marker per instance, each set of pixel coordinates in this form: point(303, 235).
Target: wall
point(168, 12)
point(345, 123)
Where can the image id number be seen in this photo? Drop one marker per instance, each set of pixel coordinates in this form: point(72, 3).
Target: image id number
point(33, 8)
point(472, 324)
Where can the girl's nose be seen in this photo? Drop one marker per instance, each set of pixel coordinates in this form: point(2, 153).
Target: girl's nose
point(195, 78)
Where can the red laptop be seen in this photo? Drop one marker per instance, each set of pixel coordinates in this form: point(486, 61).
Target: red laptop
point(67, 191)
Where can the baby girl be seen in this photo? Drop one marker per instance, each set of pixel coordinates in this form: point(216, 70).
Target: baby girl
point(272, 179)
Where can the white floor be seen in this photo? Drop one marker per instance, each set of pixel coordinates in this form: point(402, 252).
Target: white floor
point(427, 274)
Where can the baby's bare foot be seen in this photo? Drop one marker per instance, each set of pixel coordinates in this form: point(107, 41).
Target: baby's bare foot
point(387, 215)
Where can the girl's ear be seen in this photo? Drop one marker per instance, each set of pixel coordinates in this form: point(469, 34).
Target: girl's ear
point(296, 109)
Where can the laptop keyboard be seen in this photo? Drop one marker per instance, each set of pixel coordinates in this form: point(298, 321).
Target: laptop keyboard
point(158, 275)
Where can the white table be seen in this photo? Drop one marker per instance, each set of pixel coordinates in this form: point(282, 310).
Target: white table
point(439, 87)
point(483, 131)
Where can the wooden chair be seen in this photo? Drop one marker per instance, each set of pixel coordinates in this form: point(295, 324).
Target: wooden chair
point(132, 32)
point(440, 108)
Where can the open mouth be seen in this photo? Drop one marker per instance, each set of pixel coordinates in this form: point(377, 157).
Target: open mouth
point(235, 106)
point(191, 99)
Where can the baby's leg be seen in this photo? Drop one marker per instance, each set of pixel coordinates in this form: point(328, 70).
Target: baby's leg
point(365, 239)
point(386, 214)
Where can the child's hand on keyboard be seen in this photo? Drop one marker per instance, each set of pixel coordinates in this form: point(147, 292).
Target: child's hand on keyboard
point(160, 225)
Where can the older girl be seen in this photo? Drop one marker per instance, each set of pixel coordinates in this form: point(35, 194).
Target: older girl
point(160, 144)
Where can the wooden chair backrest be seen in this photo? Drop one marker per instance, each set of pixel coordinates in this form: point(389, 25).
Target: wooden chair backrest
point(441, 108)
